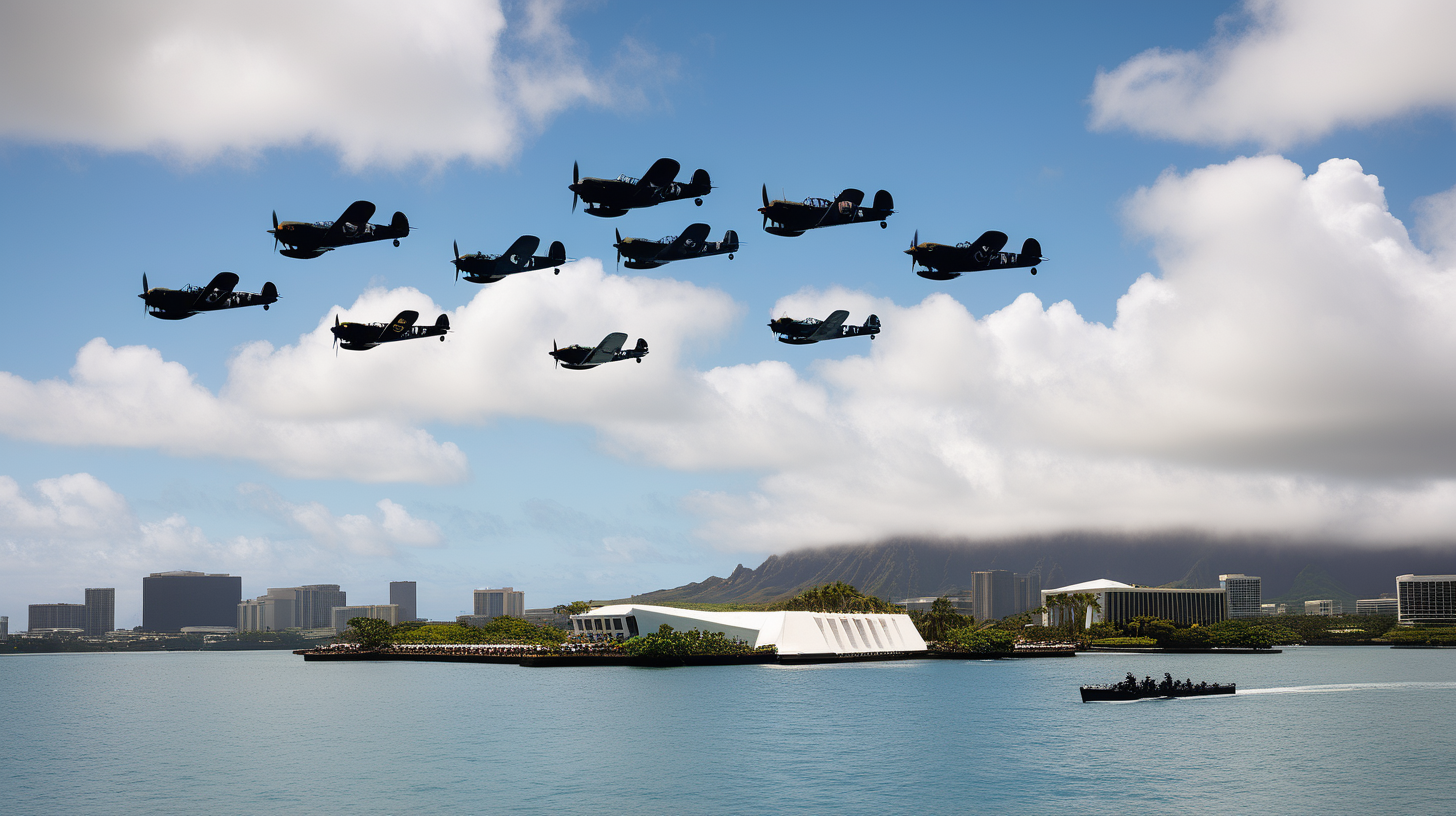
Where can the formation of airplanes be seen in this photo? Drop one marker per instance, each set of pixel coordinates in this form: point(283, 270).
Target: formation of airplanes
point(604, 198)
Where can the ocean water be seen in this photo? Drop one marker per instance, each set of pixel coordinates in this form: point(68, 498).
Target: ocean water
point(1325, 730)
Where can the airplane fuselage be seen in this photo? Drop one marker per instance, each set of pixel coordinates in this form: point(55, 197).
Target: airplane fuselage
point(609, 198)
point(794, 218)
point(945, 262)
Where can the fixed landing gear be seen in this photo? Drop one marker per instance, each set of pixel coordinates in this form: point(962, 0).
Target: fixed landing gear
point(442, 339)
point(556, 271)
point(730, 256)
point(396, 242)
point(265, 307)
point(698, 202)
point(883, 225)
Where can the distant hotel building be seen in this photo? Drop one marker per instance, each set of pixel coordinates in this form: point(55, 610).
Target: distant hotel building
point(1326, 608)
point(100, 611)
point(1243, 595)
point(402, 594)
point(1121, 602)
point(172, 600)
point(1377, 606)
point(493, 603)
point(1425, 599)
point(343, 614)
point(996, 594)
point(305, 607)
point(57, 616)
point(4, 627)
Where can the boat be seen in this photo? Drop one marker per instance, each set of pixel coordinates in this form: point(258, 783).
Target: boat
point(1132, 688)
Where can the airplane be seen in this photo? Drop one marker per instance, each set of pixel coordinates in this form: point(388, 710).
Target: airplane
point(482, 268)
point(609, 198)
point(793, 218)
point(609, 350)
point(944, 262)
point(365, 336)
point(179, 304)
point(812, 330)
point(305, 240)
point(644, 253)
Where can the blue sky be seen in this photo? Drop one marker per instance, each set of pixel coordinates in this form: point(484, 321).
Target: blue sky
point(609, 482)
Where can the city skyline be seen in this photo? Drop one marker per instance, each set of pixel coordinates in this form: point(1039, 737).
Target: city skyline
point(1240, 330)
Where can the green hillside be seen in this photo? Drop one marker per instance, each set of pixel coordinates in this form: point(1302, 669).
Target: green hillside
point(1313, 583)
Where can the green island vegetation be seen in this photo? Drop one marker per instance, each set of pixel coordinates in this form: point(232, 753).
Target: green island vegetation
point(370, 633)
point(837, 597)
point(1420, 636)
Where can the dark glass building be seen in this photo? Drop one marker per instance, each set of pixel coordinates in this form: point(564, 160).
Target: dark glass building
point(100, 611)
point(402, 594)
point(172, 600)
point(57, 616)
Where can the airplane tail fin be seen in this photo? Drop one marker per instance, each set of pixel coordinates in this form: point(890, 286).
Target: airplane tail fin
point(443, 322)
point(270, 292)
point(730, 239)
point(399, 223)
point(1031, 250)
point(884, 201)
point(873, 322)
point(701, 183)
point(558, 252)
point(642, 345)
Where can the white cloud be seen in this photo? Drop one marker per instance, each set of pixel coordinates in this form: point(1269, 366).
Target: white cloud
point(352, 533)
point(131, 397)
point(382, 83)
point(1298, 70)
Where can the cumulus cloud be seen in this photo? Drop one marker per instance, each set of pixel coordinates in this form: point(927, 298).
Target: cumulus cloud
point(131, 397)
point(1297, 70)
point(61, 535)
point(381, 83)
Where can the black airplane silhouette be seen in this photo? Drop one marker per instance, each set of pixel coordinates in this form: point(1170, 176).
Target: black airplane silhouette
point(482, 268)
point(178, 304)
point(944, 262)
point(794, 218)
point(608, 351)
point(643, 253)
point(812, 330)
point(365, 336)
point(609, 198)
point(310, 240)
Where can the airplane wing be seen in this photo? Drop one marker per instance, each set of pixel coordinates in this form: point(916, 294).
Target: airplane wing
point(607, 350)
point(220, 287)
point(991, 240)
point(398, 328)
point(661, 173)
point(357, 214)
point(519, 255)
point(689, 243)
point(829, 329)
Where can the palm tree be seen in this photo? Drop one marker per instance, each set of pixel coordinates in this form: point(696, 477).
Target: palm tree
point(1081, 602)
point(1057, 604)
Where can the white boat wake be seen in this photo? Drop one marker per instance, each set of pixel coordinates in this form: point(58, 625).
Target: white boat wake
point(1337, 687)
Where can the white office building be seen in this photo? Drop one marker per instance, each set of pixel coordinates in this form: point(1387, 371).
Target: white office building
point(1428, 599)
point(1118, 602)
point(493, 603)
point(1243, 595)
point(384, 612)
point(1325, 607)
point(1377, 606)
point(793, 633)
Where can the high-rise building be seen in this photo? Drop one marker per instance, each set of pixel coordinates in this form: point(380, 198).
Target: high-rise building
point(100, 611)
point(4, 627)
point(402, 594)
point(1326, 607)
point(1244, 594)
point(341, 615)
point(57, 616)
point(1028, 592)
point(1425, 599)
point(305, 607)
point(172, 600)
point(993, 594)
point(493, 603)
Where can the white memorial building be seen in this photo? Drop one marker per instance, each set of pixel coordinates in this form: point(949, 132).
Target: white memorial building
point(794, 633)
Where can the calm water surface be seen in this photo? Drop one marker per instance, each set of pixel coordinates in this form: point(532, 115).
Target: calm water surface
point(1314, 730)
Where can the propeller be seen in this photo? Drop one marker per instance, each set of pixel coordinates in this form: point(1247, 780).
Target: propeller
point(553, 354)
point(336, 336)
point(575, 179)
point(765, 206)
point(456, 244)
point(914, 242)
point(275, 230)
point(619, 249)
point(145, 289)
